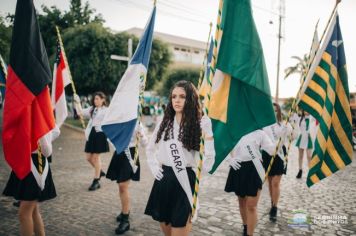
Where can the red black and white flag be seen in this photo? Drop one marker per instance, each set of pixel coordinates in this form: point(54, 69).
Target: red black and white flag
point(61, 78)
point(28, 113)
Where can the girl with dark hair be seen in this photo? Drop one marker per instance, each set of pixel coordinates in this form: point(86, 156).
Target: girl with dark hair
point(279, 166)
point(304, 141)
point(122, 169)
point(96, 140)
point(171, 157)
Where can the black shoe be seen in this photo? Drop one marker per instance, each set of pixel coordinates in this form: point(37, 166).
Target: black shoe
point(299, 175)
point(102, 174)
point(122, 216)
point(244, 233)
point(273, 214)
point(123, 227)
point(16, 204)
point(95, 185)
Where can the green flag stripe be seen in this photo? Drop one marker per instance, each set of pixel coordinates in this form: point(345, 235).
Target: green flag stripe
point(315, 96)
point(330, 162)
point(305, 106)
point(339, 147)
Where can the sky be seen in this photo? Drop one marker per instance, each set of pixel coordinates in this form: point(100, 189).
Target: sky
point(191, 18)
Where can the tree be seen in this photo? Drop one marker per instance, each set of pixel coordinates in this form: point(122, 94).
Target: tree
point(189, 74)
point(82, 15)
point(300, 68)
point(5, 38)
point(52, 17)
point(88, 48)
point(159, 62)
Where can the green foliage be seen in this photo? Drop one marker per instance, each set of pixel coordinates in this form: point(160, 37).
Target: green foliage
point(159, 62)
point(175, 75)
point(5, 39)
point(88, 50)
point(52, 17)
point(88, 46)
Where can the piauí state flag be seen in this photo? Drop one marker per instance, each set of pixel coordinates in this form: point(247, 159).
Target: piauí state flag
point(121, 117)
point(240, 101)
point(325, 96)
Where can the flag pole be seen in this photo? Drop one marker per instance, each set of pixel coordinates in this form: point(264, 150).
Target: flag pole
point(141, 101)
point(3, 66)
point(201, 75)
point(70, 75)
point(209, 80)
point(294, 104)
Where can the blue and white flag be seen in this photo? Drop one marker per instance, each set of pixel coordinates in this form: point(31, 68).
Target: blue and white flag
point(120, 119)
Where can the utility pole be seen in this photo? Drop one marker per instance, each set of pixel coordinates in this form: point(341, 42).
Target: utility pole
point(124, 58)
point(281, 19)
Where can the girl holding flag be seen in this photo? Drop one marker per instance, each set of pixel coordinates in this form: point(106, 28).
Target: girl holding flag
point(247, 175)
point(279, 166)
point(171, 157)
point(36, 187)
point(122, 169)
point(96, 140)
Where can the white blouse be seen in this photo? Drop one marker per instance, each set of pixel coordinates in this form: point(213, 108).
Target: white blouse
point(250, 145)
point(157, 152)
point(97, 118)
point(139, 130)
point(276, 131)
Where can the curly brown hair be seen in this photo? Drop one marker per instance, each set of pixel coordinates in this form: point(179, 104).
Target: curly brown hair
point(189, 130)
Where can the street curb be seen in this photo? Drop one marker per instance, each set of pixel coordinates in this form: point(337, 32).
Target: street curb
point(81, 130)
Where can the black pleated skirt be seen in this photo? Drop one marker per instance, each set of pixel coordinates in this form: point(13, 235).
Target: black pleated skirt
point(244, 182)
point(168, 202)
point(97, 142)
point(27, 189)
point(277, 166)
point(120, 169)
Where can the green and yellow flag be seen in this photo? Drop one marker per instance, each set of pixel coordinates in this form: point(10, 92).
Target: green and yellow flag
point(326, 97)
point(240, 100)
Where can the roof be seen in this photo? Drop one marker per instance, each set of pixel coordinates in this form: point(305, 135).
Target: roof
point(170, 39)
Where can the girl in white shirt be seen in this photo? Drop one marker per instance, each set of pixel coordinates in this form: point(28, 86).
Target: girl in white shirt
point(247, 174)
point(96, 140)
point(122, 169)
point(279, 166)
point(171, 156)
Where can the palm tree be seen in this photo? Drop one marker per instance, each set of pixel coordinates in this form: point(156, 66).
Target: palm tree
point(300, 68)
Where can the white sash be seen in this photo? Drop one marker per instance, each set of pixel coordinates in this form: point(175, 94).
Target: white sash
point(40, 179)
point(177, 159)
point(131, 161)
point(88, 129)
point(276, 137)
point(258, 165)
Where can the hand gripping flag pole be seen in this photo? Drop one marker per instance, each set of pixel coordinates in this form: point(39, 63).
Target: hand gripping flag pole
point(209, 81)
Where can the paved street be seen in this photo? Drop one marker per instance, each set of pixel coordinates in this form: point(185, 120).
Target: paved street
point(78, 212)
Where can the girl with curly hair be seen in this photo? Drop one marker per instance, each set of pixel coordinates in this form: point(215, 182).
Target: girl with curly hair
point(171, 157)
